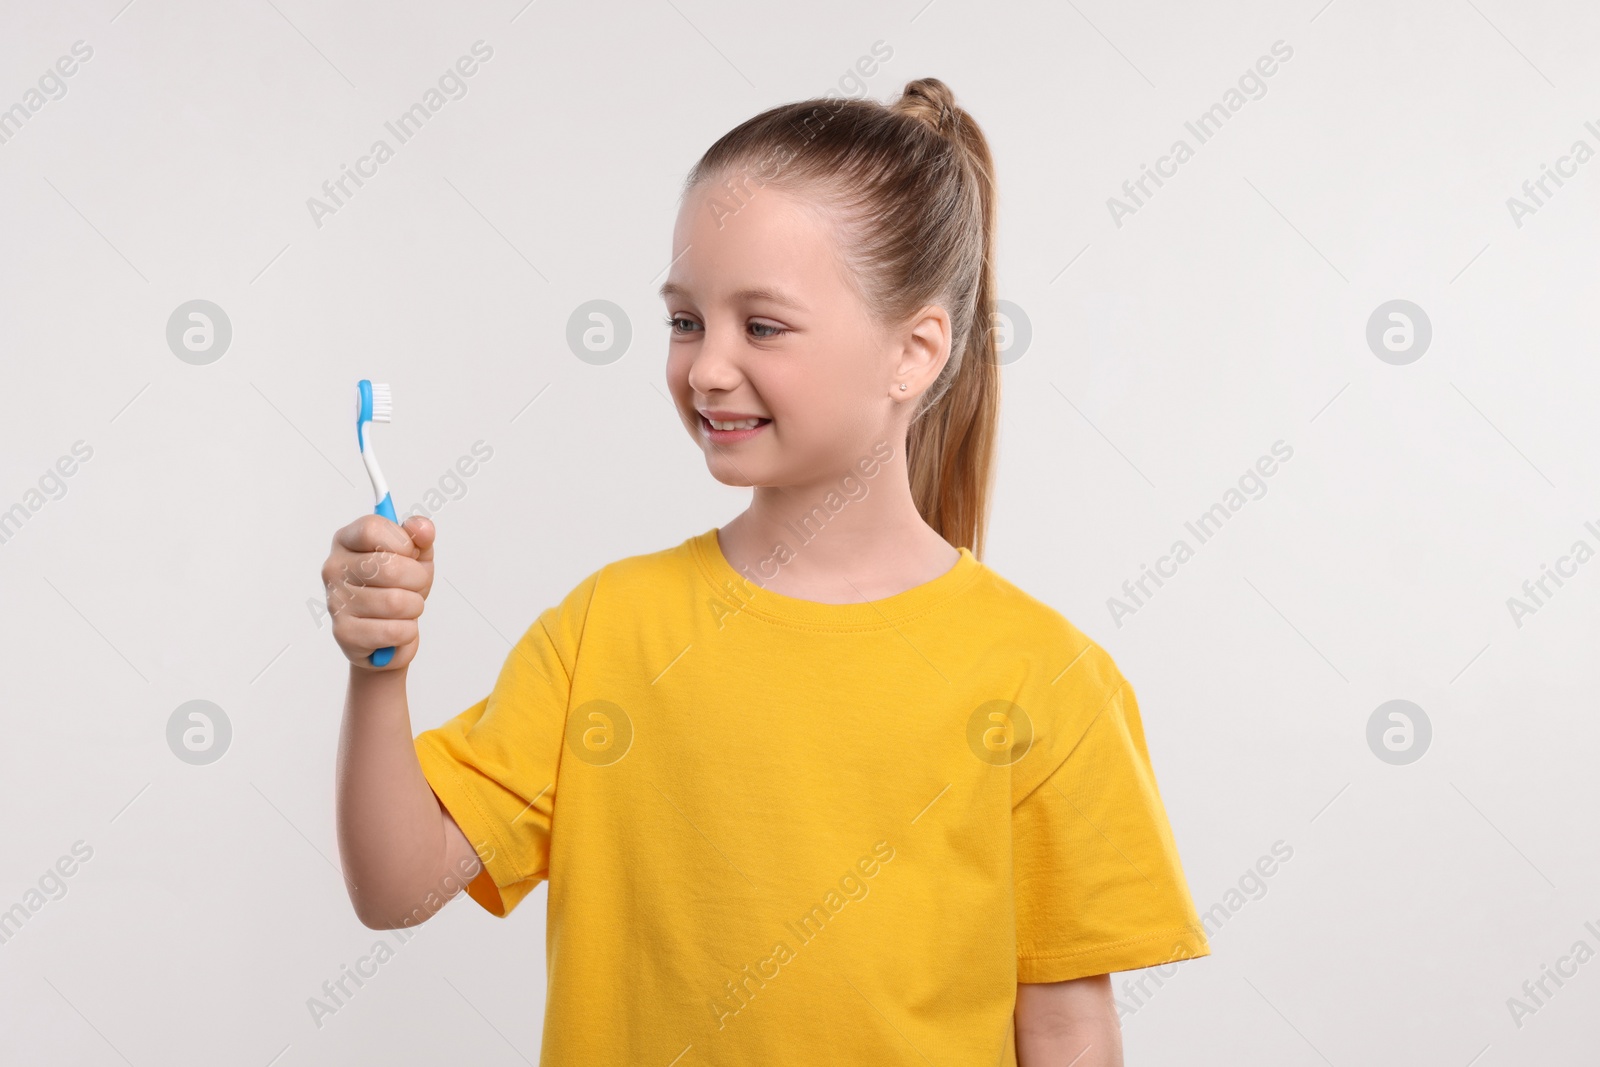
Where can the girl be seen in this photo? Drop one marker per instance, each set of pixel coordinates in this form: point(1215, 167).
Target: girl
point(816, 785)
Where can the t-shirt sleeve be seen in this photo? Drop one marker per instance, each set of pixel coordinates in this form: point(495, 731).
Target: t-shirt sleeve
point(1099, 887)
point(494, 766)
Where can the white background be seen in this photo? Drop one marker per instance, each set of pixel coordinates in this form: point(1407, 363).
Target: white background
point(1167, 354)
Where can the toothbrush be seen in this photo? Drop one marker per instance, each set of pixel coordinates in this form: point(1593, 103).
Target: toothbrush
point(373, 404)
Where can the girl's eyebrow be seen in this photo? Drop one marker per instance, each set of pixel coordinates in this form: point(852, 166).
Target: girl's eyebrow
point(775, 296)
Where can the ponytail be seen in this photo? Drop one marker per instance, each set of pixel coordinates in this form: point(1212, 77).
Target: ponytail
point(952, 444)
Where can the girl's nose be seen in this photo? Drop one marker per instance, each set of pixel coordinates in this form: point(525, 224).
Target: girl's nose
point(715, 367)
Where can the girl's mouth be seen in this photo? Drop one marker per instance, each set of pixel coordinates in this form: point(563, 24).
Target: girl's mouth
point(727, 437)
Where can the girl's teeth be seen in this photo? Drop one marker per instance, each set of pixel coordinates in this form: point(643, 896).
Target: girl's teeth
point(742, 424)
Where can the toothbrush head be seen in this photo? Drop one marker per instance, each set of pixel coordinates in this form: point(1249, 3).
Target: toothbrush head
point(382, 404)
point(373, 402)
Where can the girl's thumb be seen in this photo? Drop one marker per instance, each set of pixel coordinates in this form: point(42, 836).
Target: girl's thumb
point(422, 533)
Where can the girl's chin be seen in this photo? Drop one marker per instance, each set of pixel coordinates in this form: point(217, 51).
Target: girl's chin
point(730, 475)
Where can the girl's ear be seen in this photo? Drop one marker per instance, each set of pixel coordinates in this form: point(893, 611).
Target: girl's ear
point(924, 350)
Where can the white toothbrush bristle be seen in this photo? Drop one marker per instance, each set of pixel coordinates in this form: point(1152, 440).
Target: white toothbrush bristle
point(382, 403)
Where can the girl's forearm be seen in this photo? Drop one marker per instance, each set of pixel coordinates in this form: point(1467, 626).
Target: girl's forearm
point(391, 826)
point(1068, 1024)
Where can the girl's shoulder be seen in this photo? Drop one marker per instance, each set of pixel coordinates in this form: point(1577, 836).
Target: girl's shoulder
point(635, 581)
point(642, 571)
point(1031, 623)
point(628, 578)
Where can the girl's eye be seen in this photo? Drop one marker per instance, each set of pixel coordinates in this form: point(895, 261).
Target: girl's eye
point(673, 321)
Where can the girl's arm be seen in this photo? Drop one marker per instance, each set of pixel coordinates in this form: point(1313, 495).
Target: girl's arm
point(404, 857)
point(1068, 1023)
point(402, 853)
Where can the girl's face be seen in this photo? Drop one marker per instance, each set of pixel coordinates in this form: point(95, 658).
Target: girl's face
point(765, 324)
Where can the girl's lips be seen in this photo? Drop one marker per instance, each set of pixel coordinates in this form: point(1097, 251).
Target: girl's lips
point(728, 437)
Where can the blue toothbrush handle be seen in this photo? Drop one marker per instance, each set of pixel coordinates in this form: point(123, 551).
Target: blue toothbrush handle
point(381, 657)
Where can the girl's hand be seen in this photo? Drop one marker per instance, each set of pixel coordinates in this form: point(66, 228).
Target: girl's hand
point(377, 576)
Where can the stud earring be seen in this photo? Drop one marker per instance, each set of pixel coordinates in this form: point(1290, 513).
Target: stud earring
point(902, 387)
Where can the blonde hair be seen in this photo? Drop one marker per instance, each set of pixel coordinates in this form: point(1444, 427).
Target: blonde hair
point(912, 183)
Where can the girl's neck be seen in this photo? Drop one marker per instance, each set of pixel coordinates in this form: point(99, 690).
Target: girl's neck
point(853, 539)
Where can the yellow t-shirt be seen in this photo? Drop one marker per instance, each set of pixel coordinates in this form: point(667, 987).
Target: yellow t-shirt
point(779, 831)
